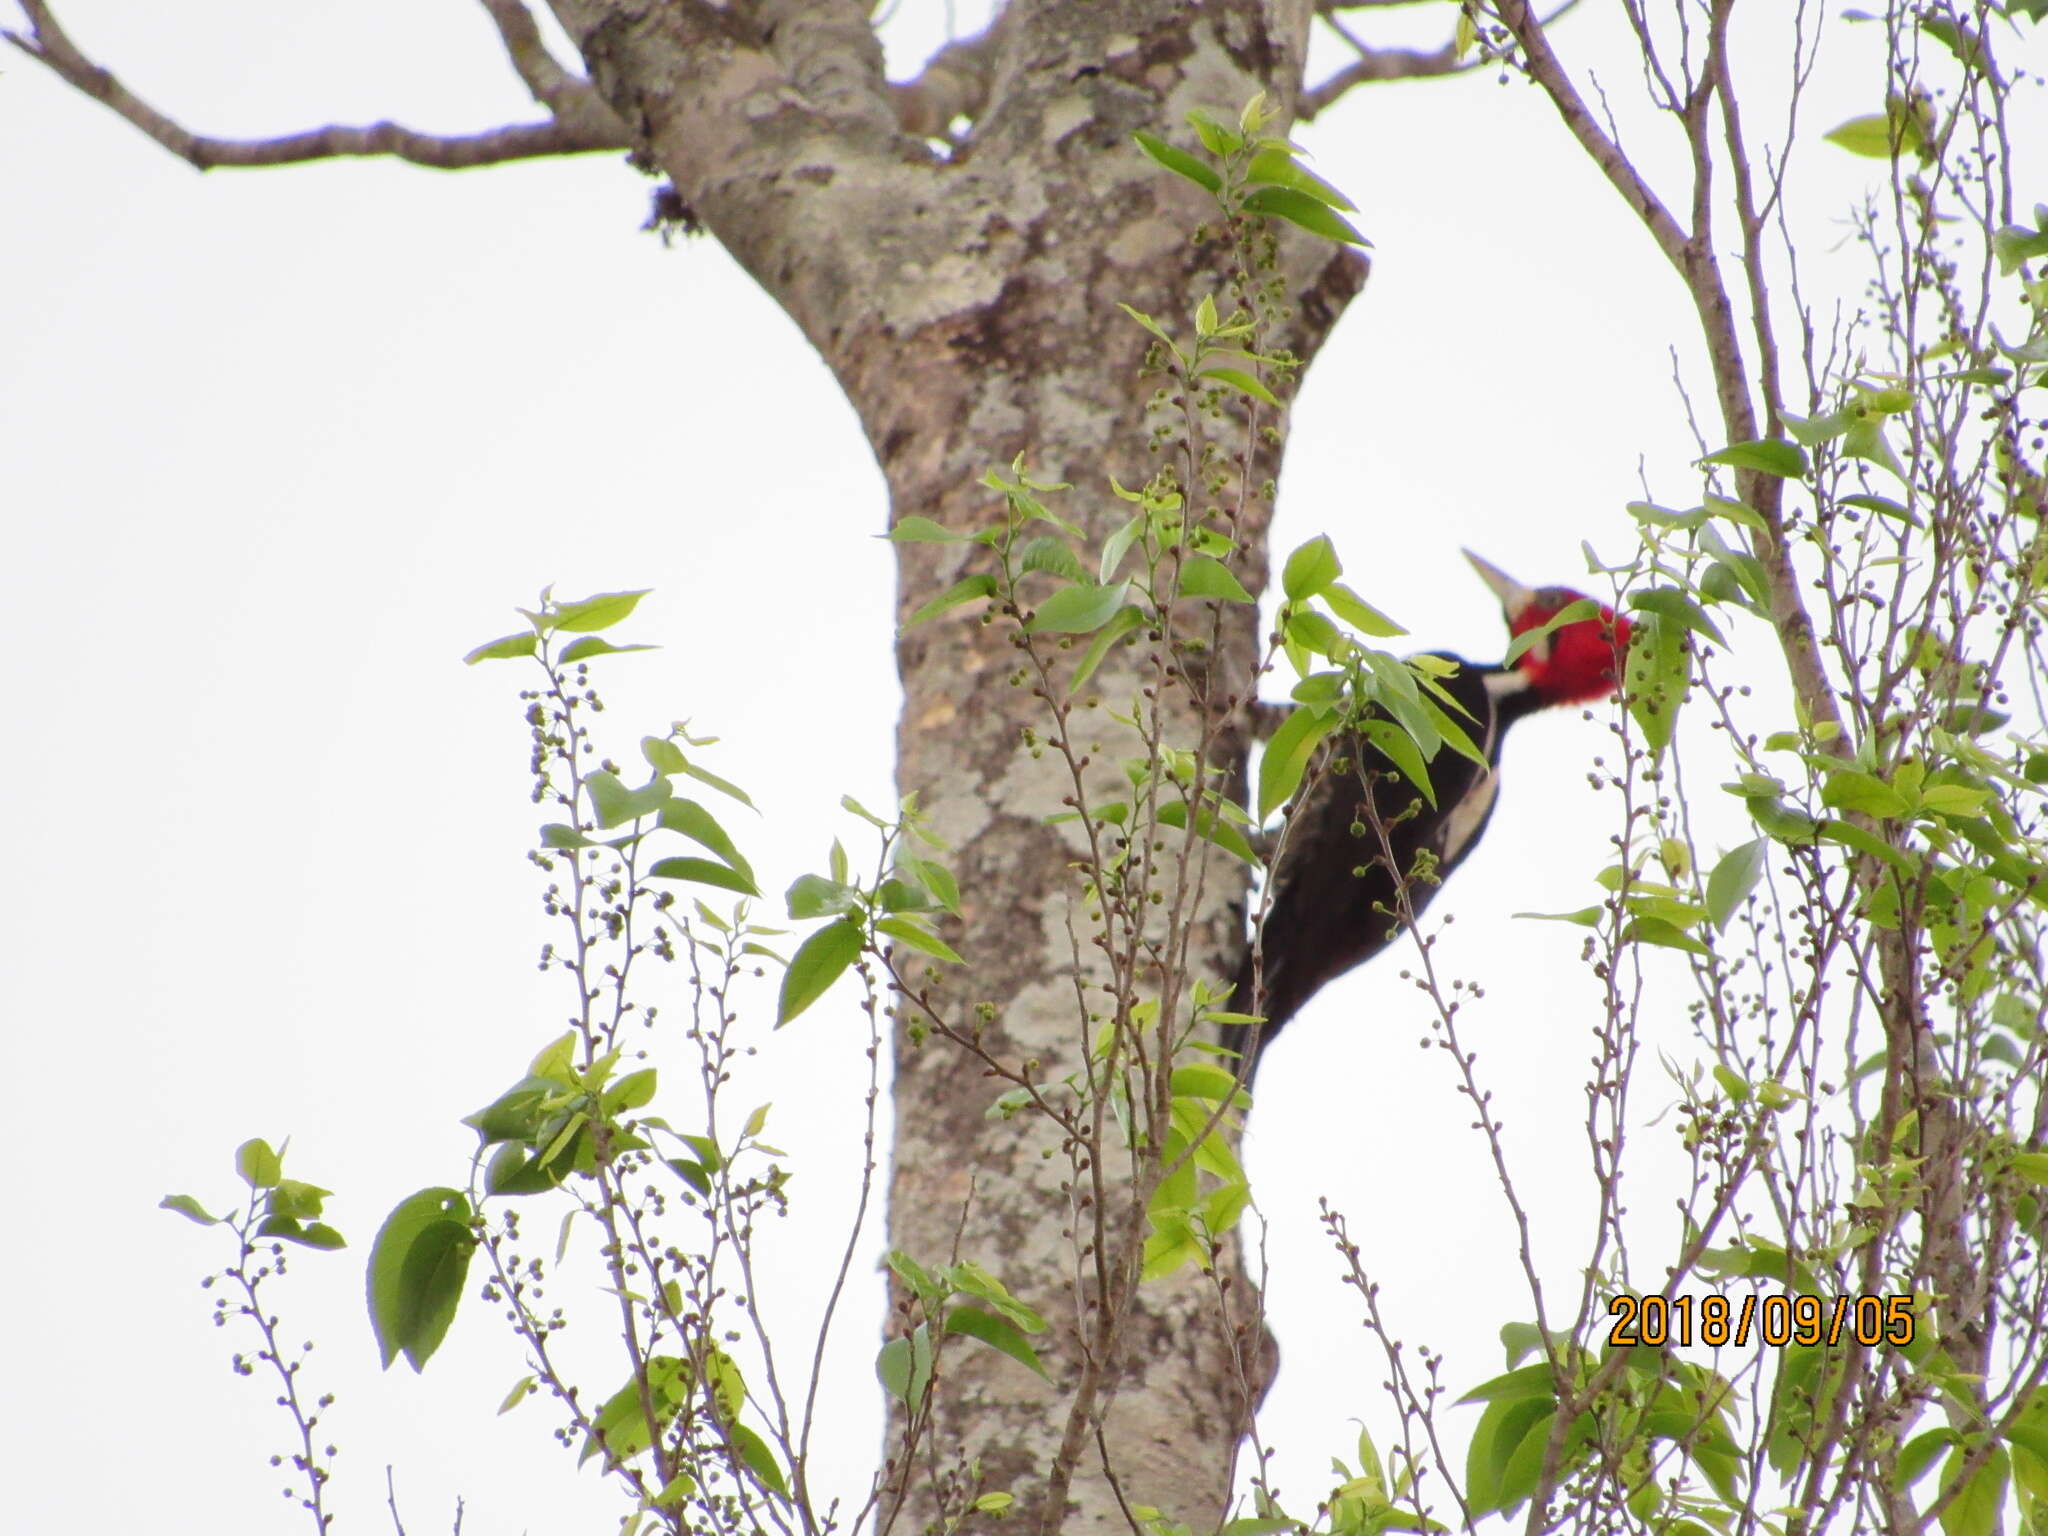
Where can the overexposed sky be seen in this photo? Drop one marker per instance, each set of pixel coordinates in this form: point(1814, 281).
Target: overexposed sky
point(280, 446)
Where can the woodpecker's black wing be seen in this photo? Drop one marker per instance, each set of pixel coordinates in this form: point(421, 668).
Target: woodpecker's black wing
point(1335, 893)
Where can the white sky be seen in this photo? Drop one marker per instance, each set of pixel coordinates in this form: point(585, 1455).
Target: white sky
point(281, 446)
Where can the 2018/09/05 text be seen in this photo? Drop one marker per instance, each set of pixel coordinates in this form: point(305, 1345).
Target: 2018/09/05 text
point(1779, 1320)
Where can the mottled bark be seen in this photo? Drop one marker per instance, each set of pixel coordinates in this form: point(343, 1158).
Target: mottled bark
point(968, 307)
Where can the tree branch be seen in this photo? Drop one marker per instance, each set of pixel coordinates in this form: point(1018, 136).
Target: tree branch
point(828, 50)
point(1376, 64)
point(585, 127)
point(954, 82)
point(568, 96)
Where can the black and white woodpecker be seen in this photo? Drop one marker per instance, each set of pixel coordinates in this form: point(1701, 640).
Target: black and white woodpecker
point(1336, 897)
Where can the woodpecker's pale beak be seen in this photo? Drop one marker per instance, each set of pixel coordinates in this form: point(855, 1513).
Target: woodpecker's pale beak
point(1514, 597)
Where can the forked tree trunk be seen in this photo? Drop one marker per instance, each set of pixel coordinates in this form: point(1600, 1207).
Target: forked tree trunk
point(968, 308)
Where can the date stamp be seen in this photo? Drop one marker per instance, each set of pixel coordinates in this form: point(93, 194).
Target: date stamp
point(1774, 1321)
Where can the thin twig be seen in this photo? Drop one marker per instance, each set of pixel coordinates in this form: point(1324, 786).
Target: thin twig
point(574, 133)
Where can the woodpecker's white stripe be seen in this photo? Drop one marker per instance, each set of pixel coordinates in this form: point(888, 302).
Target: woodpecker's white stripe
point(1499, 685)
point(1463, 821)
point(1467, 816)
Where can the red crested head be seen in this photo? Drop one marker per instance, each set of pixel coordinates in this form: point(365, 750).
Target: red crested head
point(1575, 663)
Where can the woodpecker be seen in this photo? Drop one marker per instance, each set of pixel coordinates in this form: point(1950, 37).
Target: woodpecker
point(1335, 895)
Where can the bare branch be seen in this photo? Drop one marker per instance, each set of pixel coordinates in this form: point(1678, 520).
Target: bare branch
point(954, 82)
point(829, 52)
point(582, 130)
point(1376, 64)
point(1545, 69)
point(561, 92)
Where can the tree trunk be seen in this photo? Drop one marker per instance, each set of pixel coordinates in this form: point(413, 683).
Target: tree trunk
point(968, 308)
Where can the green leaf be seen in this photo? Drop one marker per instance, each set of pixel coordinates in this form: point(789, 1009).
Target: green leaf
point(297, 1199)
point(920, 1280)
point(821, 960)
point(633, 1091)
point(615, 804)
point(1782, 820)
point(1217, 137)
point(597, 645)
point(1734, 877)
point(500, 650)
point(812, 896)
point(1670, 603)
point(1308, 629)
point(259, 1166)
point(996, 1332)
point(1975, 1508)
point(700, 826)
point(892, 1369)
point(1919, 1455)
point(189, 1208)
point(1400, 749)
point(1202, 576)
point(922, 530)
point(555, 1062)
point(1180, 162)
point(1287, 757)
point(1772, 456)
point(593, 613)
point(1571, 613)
point(514, 1170)
point(1152, 326)
point(1531, 1381)
point(1865, 440)
point(1954, 799)
point(918, 937)
point(1654, 930)
point(2015, 244)
point(665, 757)
point(965, 590)
point(905, 1366)
point(1242, 382)
point(1128, 618)
point(2031, 1166)
point(1051, 555)
point(896, 895)
point(1736, 565)
point(759, 1460)
point(1310, 569)
point(1655, 675)
point(971, 1278)
point(620, 1428)
point(417, 1268)
point(1358, 613)
point(1209, 1083)
point(1306, 212)
point(1585, 917)
point(703, 872)
point(1884, 506)
point(1078, 610)
point(1276, 167)
point(935, 878)
point(1849, 789)
point(1880, 136)
point(1118, 544)
point(1207, 826)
